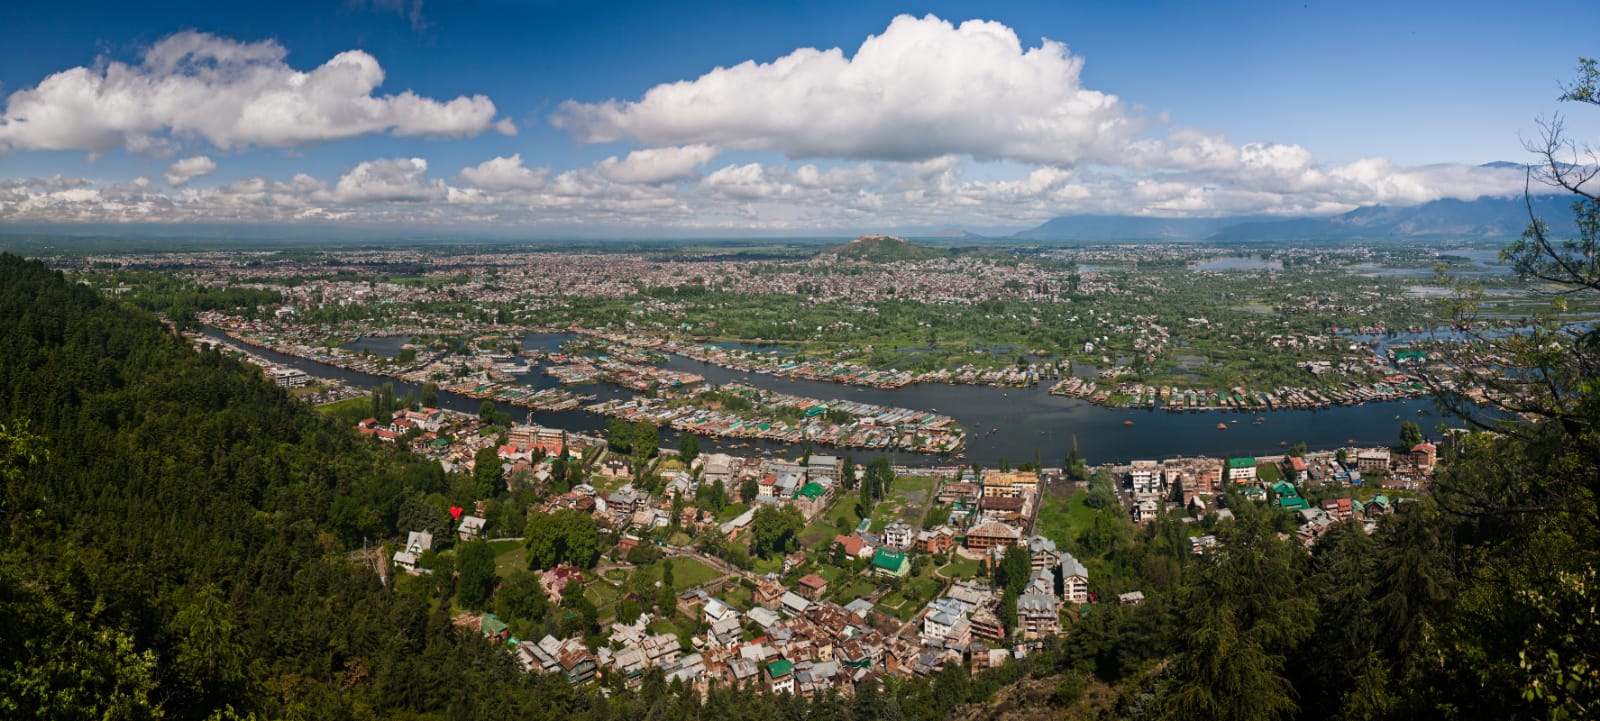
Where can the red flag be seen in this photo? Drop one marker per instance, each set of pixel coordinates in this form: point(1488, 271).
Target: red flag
point(455, 512)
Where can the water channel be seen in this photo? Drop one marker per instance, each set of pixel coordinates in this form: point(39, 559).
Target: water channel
point(1016, 424)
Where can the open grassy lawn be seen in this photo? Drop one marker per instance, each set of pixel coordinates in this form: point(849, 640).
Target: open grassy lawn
point(1268, 473)
point(914, 593)
point(358, 407)
point(686, 573)
point(601, 594)
point(852, 589)
point(603, 485)
point(1061, 517)
point(509, 556)
point(961, 568)
point(763, 566)
point(742, 598)
point(907, 501)
point(840, 519)
point(731, 511)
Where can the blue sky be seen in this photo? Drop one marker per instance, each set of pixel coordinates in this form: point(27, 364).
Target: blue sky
point(1219, 108)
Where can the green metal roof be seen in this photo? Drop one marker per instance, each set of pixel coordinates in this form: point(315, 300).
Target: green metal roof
point(812, 490)
point(780, 668)
point(491, 625)
point(888, 560)
point(1246, 462)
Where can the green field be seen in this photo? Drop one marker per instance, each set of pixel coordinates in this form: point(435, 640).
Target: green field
point(961, 568)
point(739, 597)
point(853, 588)
point(1060, 518)
point(509, 556)
point(1268, 473)
point(839, 520)
point(686, 572)
point(914, 593)
point(357, 408)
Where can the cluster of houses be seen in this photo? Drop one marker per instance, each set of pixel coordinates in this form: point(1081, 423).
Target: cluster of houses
point(1199, 482)
point(999, 511)
point(969, 612)
point(426, 420)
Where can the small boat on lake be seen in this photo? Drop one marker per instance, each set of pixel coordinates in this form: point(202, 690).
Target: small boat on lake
point(1222, 426)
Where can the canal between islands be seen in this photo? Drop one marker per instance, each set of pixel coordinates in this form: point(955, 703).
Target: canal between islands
point(1016, 424)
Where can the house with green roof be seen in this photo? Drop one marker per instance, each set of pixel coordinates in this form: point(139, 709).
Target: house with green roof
point(811, 491)
point(493, 628)
point(1242, 470)
point(890, 563)
point(780, 676)
point(1285, 488)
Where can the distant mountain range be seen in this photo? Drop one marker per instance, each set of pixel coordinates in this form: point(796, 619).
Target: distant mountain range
point(1489, 218)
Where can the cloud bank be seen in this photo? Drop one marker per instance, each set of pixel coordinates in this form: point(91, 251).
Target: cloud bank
point(230, 94)
point(921, 89)
point(928, 123)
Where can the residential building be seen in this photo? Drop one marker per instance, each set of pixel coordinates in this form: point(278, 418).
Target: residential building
point(794, 604)
point(898, 535)
point(1009, 483)
point(1038, 615)
point(1043, 553)
point(1074, 580)
point(417, 543)
point(958, 493)
point(1424, 455)
point(854, 546)
point(936, 540)
point(986, 624)
point(813, 586)
point(1371, 460)
point(1242, 470)
point(1145, 477)
point(991, 534)
point(471, 528)
point(890, 563)
point(768, 592)
point(780, 676)
point(554, 581)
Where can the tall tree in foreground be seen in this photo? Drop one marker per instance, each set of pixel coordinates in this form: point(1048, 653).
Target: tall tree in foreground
point(1519, 512)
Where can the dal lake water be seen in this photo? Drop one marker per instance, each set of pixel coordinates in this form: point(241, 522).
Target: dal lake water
point(1018, 424)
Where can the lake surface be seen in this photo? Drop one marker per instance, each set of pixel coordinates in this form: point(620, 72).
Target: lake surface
point(1027, 423)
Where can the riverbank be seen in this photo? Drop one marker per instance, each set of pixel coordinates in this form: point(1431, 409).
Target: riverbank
point(1015, 424)
point(1178, 400)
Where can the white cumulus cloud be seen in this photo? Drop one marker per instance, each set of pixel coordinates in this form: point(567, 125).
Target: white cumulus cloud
point(922, 89)
point(658, 165)
point(231, 94)
point(187, 169)
point(390, 180)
